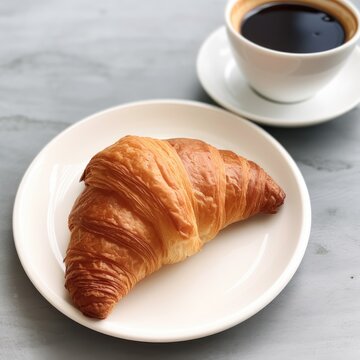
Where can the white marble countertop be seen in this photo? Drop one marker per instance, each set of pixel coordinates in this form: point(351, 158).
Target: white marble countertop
point(63, 60)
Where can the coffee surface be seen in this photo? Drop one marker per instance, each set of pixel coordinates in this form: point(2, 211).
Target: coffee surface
point(293, 28)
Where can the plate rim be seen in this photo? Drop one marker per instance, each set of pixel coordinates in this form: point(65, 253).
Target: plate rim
point(264, 120)
point(270, 294)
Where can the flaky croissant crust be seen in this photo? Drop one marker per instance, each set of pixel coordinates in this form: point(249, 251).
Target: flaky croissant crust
point(150, 202)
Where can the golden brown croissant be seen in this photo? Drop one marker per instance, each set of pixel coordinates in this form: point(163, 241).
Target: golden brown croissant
point(151, 202)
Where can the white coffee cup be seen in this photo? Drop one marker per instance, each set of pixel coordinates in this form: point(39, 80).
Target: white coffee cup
point(290, 77)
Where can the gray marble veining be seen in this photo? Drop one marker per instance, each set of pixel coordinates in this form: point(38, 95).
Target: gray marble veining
point(63, 60)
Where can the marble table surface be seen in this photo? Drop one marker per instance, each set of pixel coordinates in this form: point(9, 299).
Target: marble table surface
point(63, 60)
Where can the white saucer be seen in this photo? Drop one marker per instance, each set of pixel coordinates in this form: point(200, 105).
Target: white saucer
point(231, 279)
point(223, 81)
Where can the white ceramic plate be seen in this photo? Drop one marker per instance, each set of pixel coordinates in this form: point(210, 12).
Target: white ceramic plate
point(232, 278)
point(223, 81)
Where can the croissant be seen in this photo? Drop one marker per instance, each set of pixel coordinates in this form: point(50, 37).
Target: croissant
point(150, 202)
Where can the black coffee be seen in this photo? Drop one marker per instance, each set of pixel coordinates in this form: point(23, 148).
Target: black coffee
point(292, 28)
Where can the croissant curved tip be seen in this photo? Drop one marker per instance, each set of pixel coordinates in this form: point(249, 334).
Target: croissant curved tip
point(96, 311)
point(92, 303)
point(273, 198)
